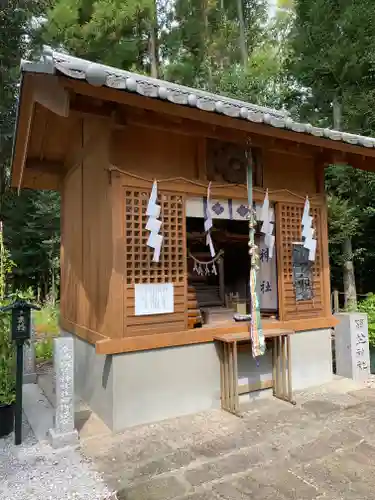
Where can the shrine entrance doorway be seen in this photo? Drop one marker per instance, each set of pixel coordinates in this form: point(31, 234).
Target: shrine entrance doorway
point(219, 286)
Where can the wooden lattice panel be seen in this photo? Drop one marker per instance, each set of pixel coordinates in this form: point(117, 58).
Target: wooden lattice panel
point(289, 217)
point(139, 265)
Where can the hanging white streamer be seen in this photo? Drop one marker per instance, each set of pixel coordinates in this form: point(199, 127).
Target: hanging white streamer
point(153, 225)
point(267, 226)
point(208, 223)
point(307, 231)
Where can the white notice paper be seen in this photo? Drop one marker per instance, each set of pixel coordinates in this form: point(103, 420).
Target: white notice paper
point(154, 299)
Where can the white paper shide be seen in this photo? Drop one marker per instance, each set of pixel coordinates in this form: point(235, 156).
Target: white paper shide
point(208, 223)
point(266, 216)
point(309, 241)
point(153, 225)
point(154, 298)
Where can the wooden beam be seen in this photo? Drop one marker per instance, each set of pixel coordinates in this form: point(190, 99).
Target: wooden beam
point(25, 116)
point(160, 106)
point(36, 179)
point(126, 116)
point(236, 192)
point(83, 107)
point(202, 335)
point(49, 92)
point(51, 167)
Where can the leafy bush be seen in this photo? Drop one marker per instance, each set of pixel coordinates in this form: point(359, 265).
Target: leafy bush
point(47, 319)
point(368, 306)
point(7, 352)
point(44, 349)
point(7, 361)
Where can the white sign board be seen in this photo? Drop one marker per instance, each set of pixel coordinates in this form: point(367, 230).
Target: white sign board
point(154, 299)
point(267, 278)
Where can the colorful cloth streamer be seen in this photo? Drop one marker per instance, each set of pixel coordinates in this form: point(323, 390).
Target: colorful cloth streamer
point(258, 345)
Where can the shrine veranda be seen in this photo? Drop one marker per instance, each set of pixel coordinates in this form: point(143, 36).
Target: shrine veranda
point(162, 189)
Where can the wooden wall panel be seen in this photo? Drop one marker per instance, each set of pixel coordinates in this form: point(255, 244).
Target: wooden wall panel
point(155, 153)
point(71, 246)
point(139, 265)
point(102, 234)
point(287, 171)
point(288, 230)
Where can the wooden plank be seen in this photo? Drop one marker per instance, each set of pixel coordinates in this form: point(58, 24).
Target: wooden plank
point(81, 331)
point(201, 335)
point(24, 123)
point(279, 261)
point(244, 336)
point(49, 93)
point(155, 319)
point(154, 328)
point(256, 386)
point(326, 279)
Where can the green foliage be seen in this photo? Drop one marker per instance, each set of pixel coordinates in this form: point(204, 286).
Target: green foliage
point(114, 32)
point(368, 306)
point(44, 349)
point(7, 356)
point(47, 319)
point(32, 233)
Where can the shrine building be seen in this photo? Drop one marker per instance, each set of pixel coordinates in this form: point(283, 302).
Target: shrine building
point(158, 185)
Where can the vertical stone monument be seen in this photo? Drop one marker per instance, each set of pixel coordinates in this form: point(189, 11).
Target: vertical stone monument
point(63, 433)
point(352, 346)
point(29, 361)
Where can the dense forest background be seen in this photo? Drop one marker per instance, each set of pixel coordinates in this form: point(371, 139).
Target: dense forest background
point(314, 58)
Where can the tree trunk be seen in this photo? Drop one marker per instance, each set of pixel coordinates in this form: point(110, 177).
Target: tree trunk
point(349, 277)
point(350, 292)
point(243, 44)
point(153, 43)
point(206, 43)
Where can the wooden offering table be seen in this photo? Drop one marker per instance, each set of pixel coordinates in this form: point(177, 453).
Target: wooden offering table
point(281, 366)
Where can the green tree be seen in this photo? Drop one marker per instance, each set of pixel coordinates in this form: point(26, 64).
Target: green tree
point(333, 53)
point(120, 33)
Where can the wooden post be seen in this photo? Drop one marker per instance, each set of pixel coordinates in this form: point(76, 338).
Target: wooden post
point(336, 305)
point(221, 281)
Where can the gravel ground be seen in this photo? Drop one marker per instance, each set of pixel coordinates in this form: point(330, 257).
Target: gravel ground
point(34, 471)
point(371, 382)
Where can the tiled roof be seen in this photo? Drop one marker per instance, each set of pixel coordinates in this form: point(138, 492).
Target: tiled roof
point(101, 75)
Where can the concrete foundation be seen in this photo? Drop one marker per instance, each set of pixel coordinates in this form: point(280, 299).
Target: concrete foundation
point(147, 386)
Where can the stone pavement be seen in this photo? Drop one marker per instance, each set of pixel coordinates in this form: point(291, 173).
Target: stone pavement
point(322, 449)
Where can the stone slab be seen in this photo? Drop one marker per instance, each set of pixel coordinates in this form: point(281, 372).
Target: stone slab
point(38, 410)
point(168, 463)
point(324, 445)
point(286, 483)
point(230, 464)
point(63, 439)
point(246, 489)
point(157, 489)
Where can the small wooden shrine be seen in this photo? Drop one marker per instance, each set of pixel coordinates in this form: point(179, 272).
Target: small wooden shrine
point(102, 137)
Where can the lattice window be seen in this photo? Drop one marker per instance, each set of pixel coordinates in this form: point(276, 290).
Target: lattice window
point(291, 217)
point(139, 265)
